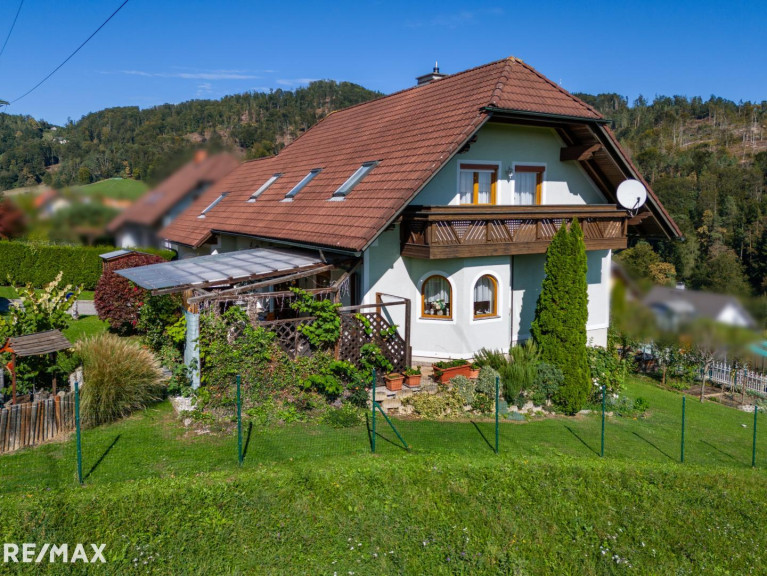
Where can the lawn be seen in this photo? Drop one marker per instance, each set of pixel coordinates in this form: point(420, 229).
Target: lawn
point(83, 327)
point(312, 499)
point(10, 292)
point(117, 188)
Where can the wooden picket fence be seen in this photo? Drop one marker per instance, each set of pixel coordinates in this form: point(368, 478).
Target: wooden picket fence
point(33, 423)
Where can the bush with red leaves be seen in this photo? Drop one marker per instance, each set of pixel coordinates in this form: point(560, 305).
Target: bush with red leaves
point(11, 220)
point(118, 300)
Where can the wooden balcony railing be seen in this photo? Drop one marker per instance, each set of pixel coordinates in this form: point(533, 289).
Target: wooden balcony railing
point(465, 231)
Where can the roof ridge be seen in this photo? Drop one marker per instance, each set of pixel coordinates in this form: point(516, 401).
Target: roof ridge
point(562, 90)
point(498, 90)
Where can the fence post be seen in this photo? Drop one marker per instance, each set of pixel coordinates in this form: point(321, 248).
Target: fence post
point(497, 402)
point(77, 433)
point(683, 403)
point(239, 422)
point(373, 404)
point(753, 449)
point(602, 452)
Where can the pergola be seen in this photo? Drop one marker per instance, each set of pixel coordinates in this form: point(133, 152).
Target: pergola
point(233, 275)
point(48, 342)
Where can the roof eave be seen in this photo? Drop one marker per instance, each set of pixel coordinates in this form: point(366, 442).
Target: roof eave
point(512, 113)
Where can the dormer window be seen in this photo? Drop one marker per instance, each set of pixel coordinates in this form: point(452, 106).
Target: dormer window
point(353, 180)
point(300, 186)
point(477, 183)
point(263, 188)
point(212, 204)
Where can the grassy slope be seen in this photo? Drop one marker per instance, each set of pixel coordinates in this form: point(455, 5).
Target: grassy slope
point(123, 189)
point(548, 504)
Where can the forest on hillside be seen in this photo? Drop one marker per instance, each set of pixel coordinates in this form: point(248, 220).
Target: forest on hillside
point(147, 144)
point(706, 159)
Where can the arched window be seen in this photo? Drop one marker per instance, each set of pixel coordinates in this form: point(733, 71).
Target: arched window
point(436, 298)
point(485, 297)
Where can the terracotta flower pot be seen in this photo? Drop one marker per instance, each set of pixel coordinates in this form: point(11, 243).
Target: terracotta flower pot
point(413, 380)
point(443, 375)
point(473, 374)
point(394, 381)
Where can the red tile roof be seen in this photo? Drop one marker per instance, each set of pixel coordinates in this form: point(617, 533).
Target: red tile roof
point(154, 204)
point(412, 134)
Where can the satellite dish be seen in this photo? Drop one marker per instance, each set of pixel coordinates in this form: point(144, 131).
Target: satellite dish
point(632, 195)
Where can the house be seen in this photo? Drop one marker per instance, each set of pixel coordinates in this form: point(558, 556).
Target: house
point(674, 307)
point(49, 202)
point(138, 224)
point(445, 195)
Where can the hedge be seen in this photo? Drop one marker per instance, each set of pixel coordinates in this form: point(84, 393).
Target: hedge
point(24, 263)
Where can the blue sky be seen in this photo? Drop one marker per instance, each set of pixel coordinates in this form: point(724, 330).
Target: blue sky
point(157, 51)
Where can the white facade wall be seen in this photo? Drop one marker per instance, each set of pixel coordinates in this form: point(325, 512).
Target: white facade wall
point(505, 146)
point(519, 278)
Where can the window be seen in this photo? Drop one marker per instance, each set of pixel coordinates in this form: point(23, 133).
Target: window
point(300, 186)
point(263, 188)
point(476, 183)
point(436, 298)
point(212, 204)
point(528, 185)
point(354, 179)
point(485, 297)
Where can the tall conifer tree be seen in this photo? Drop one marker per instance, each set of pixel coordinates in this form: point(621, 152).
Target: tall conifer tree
point(561, 314)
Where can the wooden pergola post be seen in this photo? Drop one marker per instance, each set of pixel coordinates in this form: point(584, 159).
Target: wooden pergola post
point(13, 377)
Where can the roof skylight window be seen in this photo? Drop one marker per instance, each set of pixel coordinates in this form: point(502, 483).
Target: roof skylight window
point(212, 204)
point(263, 188)
point(353, 180)
point(300, 186)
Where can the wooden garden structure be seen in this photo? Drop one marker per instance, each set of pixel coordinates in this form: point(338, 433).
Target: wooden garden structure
point(48, 342)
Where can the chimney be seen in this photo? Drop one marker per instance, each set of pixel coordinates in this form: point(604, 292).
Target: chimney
point(200, 155)
point(429, 78)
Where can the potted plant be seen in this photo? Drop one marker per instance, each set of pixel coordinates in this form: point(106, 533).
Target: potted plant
point(444, 371)
point(413, 377)
point(474, 371)
point(394, 381)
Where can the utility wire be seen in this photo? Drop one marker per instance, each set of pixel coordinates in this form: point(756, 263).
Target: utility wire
point(12, 27)
point(68, 58)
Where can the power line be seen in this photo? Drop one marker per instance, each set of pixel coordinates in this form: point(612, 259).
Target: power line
point(12, 27)
point(68, 58)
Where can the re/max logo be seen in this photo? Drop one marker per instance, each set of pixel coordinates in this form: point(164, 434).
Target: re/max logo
point(29, 553)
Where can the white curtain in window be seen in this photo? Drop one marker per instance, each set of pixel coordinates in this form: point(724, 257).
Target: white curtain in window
point(466, 187)
point(484, 296)
point(485, 186)
point(436, 297)
point(524, 188)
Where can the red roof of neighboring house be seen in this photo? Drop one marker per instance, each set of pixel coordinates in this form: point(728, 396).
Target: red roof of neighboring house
point(411, 134)
point(154, 204)
point(42, 199)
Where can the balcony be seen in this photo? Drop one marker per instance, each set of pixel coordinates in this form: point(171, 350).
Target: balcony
point(433, 232)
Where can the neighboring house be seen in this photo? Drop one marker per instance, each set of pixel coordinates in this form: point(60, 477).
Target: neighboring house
point(674, 307)
point(49, 202)
point(446, 194)
point(138, 225)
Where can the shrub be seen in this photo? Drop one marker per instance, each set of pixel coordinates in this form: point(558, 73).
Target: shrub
point(155, 317)
point(347, 416)
point(483, 404)
point(495, 359)
point(37, 263)
point(608, 369)
point(548, 379)
point(464, 388)
point(486, 382)
point(521, 372)
point(118, 300)
point(435, 405)
point(561, 313)
point(119, 377)
point(325, 331)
